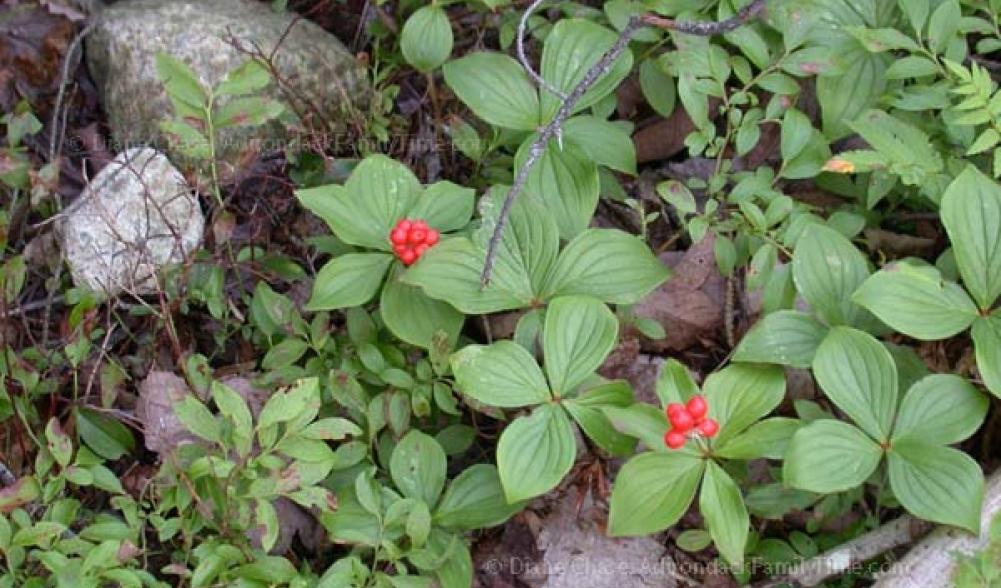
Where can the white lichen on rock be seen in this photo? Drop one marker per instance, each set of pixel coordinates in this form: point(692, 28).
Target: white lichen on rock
point(136, 216)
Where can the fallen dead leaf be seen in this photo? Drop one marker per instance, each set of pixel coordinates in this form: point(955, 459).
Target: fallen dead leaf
point(163, 431)
point(690, 304)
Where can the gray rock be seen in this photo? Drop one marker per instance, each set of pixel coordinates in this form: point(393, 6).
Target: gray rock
point(121, 53)
point(137, 215)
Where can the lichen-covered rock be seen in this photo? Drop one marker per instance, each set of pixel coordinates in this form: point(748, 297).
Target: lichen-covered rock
point(122, 48)
point(137, 215)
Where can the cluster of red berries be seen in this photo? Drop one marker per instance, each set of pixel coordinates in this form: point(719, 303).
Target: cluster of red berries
point(687, 419)
point(411, 238)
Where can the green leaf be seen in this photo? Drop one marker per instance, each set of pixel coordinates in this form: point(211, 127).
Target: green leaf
point(608, 264)
point(105, 435)
point(181, 83)
point(725, 515)
point(284, 354)
point(916, 301)
point(267, 569)
point(528, 247)
point(740, 394)
point(940, 409)
point(571, 48)
point(882, 39)
point(675, 383)
point(413, 316)
point(796, 133)
point(496, 88)
point(349, 280)
point(248, 110)
point(607, 143)
point(25, 490)
point(579, 333)
point(768, 438)
point(197, 419)
point(503, 374)
point(939, 484)
point(642, 421)
point(535, 452)
point(250, 76)
point(379, 192)
point(829, 456)
point(786, 337)
point(450, 271)
point(845, 96)
point(232, 406)
point(565, 182)
point(652, 491)
point(943, 24)
point(418, 467)
point(596, 424)
point(658, 87)
point(266, 516)
point(445, 206)
point(186, 139)
point(987, 341)
point(827, 269)
point(426, 39)
point(858, 374)
point(331, 429)
point(475, 500)
point(971, 213)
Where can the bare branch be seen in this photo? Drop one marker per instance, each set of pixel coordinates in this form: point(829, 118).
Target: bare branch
point(520, 48)
point(707, 28)
point(552, 130)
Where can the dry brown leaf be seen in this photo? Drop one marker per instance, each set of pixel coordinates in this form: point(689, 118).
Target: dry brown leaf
point(690, 304)
point(163, 431)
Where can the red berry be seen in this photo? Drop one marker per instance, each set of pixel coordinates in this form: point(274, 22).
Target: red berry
point(418, 236)
point(682, 421)
point(399, 249)
point(697, 407)
point(409, 256)
point(398, 236)
point(404, 225)
point(420, 224)
point(420, 249)
point(432, 237)
point(709, 428)
point(674, 408)
point(674, 439)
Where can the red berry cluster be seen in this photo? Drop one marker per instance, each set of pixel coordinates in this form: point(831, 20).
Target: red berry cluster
point(411, 238)
point(687, 419)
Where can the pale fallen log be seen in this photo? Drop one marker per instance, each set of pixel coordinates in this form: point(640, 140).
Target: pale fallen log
point(931, 562)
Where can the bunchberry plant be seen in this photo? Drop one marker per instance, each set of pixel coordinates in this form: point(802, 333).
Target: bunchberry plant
point(536, 451)
point(915, 299)
point(931, 480)
point(654, 489)
point(364, 213)
point(826, 271)
point(411, 521)
point(530, 269)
